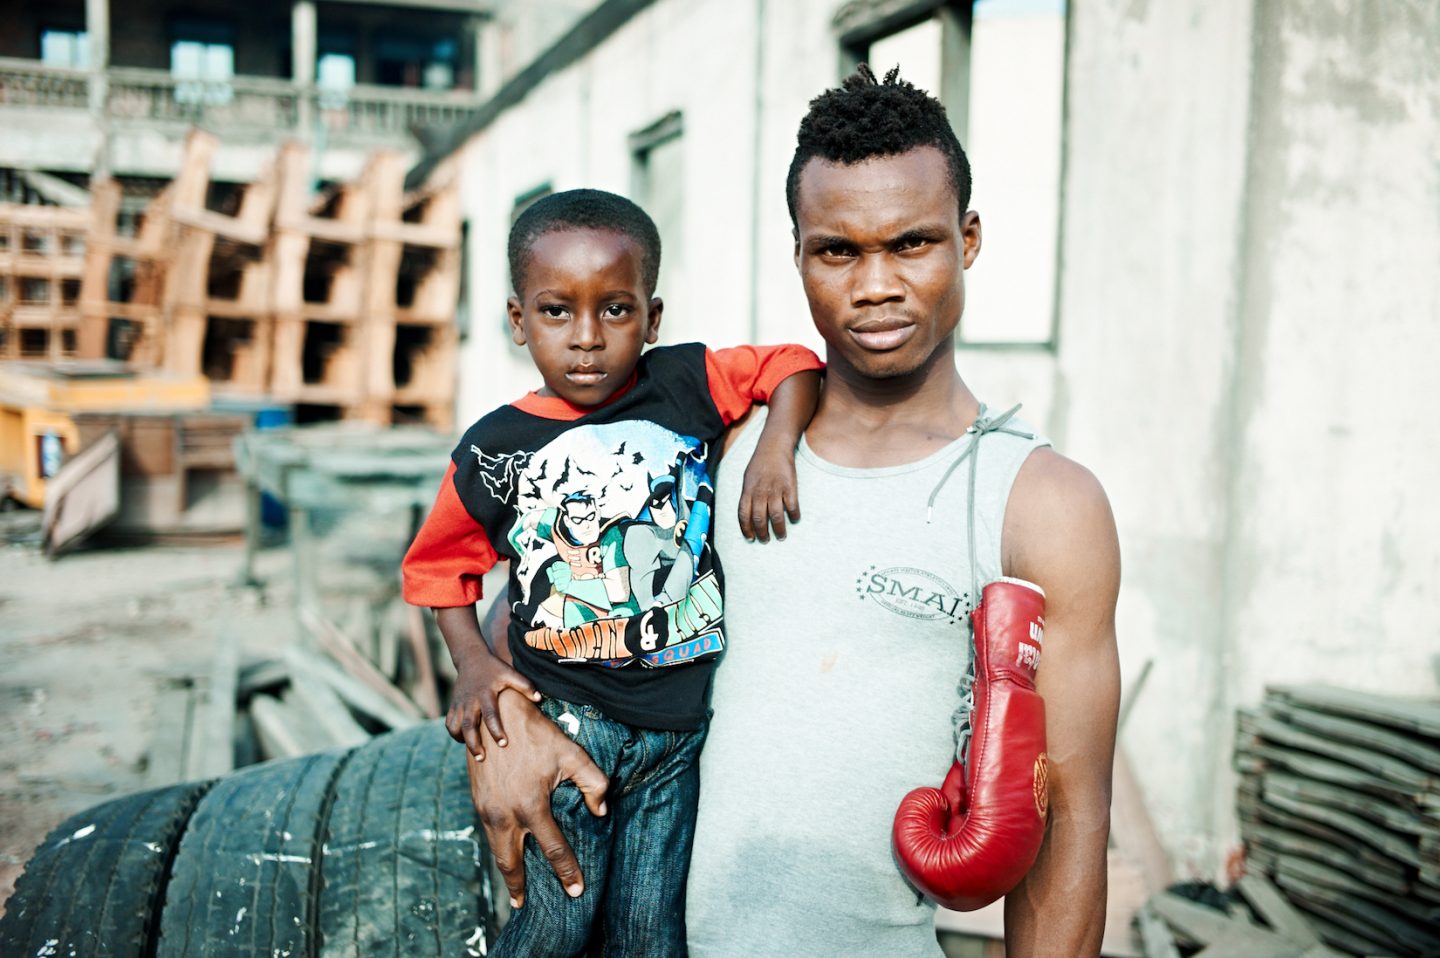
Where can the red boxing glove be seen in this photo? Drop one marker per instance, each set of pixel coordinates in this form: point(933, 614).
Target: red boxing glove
point(970, 841)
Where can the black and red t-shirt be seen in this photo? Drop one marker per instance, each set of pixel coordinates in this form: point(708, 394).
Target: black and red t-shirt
point(616, 594)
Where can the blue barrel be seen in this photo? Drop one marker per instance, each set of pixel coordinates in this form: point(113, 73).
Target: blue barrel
point(272, 512)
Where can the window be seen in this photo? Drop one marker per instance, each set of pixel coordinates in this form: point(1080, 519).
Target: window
point(202, 58)
point(65, 48)
point(527, 199)
point(999, 68)
point(335, 65)
point(658, 185)
point(416, 62)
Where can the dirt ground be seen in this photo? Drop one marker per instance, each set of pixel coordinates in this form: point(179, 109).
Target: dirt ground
point(85, 642)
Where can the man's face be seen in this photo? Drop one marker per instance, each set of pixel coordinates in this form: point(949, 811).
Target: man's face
point(882, 248)
point(585, 313)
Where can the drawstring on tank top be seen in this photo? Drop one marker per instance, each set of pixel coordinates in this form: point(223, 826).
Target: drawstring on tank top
point(983, 424)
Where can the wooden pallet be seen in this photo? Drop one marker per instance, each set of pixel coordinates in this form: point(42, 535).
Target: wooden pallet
point(341, 304)
point(122, 288)
point(42, 257)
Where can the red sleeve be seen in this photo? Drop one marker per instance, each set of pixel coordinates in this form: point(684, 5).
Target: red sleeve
point(449, 556)
point(745, 375)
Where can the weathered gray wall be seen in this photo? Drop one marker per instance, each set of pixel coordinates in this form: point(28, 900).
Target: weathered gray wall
point(1250, 318)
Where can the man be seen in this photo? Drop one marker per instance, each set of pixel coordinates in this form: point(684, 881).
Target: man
point(839, 681)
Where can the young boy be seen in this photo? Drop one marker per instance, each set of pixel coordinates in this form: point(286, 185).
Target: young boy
point(597, 489)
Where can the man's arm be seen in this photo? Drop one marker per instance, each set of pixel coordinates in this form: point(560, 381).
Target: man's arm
point(1059, 532)
point(511, 791)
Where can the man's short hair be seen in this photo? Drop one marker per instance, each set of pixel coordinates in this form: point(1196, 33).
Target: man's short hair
point(865, 118)
point(580, 210)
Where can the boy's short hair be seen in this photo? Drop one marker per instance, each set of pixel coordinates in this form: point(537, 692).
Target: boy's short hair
point(865, 118)
point(579, 210)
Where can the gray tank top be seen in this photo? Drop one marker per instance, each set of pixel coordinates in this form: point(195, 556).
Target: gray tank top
point(836, 696)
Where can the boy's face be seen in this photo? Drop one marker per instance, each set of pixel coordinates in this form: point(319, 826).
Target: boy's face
point(584, 313)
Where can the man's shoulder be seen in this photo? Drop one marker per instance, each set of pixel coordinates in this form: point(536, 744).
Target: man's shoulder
point(1057, 506)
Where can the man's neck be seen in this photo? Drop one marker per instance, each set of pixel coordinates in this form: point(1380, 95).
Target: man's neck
point(865, 422)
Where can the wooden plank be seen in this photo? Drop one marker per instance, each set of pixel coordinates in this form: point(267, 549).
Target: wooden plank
point(1413, 749)
point(1325, 770)
point(1266, 899)
point(427, 690)
point(1406, 714)
point(211, 751)
point(83, 497)
point(1371, 858)
point(1394, 817)
point(263, 675)
point(277, 728)
point(1131, 829)
point(1389, 929)
point(1155, 937)
point(357, 694)
point(1206, 926)
point(1392, 769)
point(169, 742)
point(1348, 883)
point(312, 695)
point(338, 645)
point(1307, 847)
point(1333, 934)
point(1378, 838)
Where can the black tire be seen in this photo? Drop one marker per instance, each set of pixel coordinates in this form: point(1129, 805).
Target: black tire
point(246, 875)
point(94, 886)
point(406, 869)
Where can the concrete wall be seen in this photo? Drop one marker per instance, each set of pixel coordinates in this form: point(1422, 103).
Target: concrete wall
point(1248, 296)
point(1248, 323)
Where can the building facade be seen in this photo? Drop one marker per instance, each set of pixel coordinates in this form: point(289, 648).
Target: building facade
point(1211, 232)
point(108, 87)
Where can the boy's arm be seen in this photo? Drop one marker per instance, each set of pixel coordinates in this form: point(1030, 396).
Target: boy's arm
point(480, 676)
point(1059, 532)
point(770, 491)
point(443, 569)
point(787, 378)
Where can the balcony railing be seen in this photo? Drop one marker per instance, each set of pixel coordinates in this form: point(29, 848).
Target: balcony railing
point(240, 102)
point(26, 83)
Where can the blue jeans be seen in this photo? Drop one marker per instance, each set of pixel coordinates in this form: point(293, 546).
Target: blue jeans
point(635, 858)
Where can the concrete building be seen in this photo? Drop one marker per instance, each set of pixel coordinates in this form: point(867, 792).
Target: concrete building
point(1211, 240)
point(100, 86)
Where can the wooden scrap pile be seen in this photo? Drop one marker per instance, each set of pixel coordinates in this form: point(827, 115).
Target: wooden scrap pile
point(339, 686)
point(342, 303)
point(1255, 922)
point(364, 661)
point(1339, 806)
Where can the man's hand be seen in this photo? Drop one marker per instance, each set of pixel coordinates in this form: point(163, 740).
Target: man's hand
point(770, 492)
point(511, 791)
point(479, 680)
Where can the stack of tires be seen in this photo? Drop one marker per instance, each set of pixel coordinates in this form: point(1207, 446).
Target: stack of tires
point(369, 851)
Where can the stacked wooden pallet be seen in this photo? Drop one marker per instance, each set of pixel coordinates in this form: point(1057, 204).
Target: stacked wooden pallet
point(1339, 805)
point(42, 254)
point(341, 305)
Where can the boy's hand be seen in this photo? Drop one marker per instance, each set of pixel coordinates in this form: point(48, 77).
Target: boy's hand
point(770, 492)
point(478, 684)
point(511, 793)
